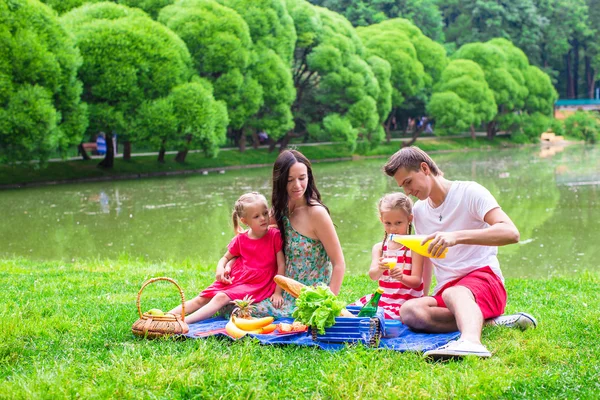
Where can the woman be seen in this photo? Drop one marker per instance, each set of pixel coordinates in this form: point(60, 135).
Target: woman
point(312, 249)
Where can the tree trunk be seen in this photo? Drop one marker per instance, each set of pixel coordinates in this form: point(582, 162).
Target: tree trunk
point(415, 135)
point(388, 122)
point(240, 135)
point(473, 132)
point(81, 150)
point(127, 150)
point(272, 144)
point(182, 154)
point(255, 140)
point(576, 70)
point(109, 159)
point(284, 141)
point(570, 92)
point(491, 130)
point(161, 153)
point(590, 77)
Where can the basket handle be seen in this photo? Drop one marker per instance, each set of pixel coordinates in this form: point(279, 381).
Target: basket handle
point(160, 278)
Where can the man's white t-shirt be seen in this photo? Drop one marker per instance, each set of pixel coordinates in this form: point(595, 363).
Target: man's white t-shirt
point(464, 208)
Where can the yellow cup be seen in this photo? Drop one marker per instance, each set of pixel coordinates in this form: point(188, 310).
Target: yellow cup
point(413, 242)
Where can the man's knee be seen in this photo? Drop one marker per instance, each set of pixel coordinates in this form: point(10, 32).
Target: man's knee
point(457, 294)
point(412, 314)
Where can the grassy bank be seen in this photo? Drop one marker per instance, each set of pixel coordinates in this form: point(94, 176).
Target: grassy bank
point(65, 332)
point(196, 162)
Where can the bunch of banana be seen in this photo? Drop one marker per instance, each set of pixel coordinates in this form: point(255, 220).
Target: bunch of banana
point(239, 327)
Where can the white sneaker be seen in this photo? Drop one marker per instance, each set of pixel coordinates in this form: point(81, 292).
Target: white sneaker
point(457, 349)
point(519, 320)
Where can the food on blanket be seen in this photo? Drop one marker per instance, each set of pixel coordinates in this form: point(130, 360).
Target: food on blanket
point(293, 327)
point(268, 329)
point(155, 311)
point(251, 324)
point(317, 307)
point(290, 285)
point(235, 332)
point(244, 307)
point(413, 242)
point(346, 313)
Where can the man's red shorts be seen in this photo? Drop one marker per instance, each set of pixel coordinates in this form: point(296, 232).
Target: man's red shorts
point(487, 288)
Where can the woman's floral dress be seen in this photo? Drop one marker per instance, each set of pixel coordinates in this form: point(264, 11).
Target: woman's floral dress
point(305, 261)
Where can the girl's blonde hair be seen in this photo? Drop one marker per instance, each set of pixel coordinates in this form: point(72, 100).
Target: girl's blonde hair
point(395, 201)
point(241, 204)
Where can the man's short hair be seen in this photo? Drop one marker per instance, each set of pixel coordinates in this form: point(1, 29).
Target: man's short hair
point(410, 158)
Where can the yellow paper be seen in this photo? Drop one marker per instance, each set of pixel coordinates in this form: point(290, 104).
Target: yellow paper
point(413, 242)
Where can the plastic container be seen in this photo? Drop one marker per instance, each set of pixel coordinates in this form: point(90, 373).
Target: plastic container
point(392, 329)
point(413, 242)
point(354, 330)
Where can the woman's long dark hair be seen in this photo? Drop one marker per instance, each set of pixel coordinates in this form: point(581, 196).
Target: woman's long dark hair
point(279, 197)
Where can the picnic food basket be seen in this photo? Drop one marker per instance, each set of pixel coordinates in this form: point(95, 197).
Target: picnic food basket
point(154, 326)
point(366, 330)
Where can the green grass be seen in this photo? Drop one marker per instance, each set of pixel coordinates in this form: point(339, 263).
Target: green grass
point(147, 165)
point(65, 333)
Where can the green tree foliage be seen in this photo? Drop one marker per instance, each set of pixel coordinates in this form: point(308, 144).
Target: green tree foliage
point(476, 105)
point(583, 125)
point(219, 42)
point(423, 13)
point(337, 91)
point(416, 61)
point(152, 7)
point(127, 59)
point(40, 107)
point(189, 117)
point(482, 20)
point(274, 36)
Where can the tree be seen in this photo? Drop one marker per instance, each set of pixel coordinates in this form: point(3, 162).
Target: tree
point(416, 61)
point(150, 61)
point(40, 107)
point(189, 116)
point(152, 7)
point(481, 20)
point(336, 89)
point(219, 42)
point(271, 28)
point(462, 82)
point(425, 14)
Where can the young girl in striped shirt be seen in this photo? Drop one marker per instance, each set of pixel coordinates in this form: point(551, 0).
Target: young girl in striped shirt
point(405, 280)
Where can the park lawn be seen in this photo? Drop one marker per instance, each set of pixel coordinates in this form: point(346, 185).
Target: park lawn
point(141, 166)
point(65, 333)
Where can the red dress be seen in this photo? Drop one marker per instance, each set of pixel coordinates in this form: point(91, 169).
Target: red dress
point(254, 268)
point(395, 293)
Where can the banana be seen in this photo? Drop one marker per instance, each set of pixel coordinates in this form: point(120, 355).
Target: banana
point(250, 325)
point(233, 331)
point(268, 329)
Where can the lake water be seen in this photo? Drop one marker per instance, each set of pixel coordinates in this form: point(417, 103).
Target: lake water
point(553, 196)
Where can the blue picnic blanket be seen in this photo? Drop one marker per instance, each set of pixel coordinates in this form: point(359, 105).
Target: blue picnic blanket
point(406, 341)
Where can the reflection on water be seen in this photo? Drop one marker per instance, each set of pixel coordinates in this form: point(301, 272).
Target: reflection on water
point(553, 200)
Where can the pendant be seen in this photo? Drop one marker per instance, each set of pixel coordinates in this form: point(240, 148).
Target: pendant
point(440, 217)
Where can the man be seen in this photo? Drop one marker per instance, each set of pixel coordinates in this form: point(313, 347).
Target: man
point(466, 219)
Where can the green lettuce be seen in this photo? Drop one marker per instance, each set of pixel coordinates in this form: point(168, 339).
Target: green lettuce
point(317, 307)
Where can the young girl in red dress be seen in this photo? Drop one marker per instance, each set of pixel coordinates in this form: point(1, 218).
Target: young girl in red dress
point(258, 257)
point(405, 280)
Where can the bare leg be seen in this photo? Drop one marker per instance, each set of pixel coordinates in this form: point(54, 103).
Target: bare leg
point(208, 310)
point(469, 320)
point(423, 314)
point(191, 305)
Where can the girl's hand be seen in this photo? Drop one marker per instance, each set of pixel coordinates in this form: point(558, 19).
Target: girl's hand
point(382, 265)
point(226, 277)
point(397, 274)
point(277, 300)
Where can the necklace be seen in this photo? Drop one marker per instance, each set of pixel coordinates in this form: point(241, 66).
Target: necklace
point(440, 208)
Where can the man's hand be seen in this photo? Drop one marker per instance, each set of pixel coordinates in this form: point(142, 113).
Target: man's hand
point(440, 241)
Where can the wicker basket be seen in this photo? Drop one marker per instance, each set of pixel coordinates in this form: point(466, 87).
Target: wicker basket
point(154, 326)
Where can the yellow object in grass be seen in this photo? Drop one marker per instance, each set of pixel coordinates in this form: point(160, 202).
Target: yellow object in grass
point(413, 242)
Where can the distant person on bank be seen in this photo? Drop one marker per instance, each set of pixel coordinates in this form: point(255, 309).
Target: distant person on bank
point(466, 219)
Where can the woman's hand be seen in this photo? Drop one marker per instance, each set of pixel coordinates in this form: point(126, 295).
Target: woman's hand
point(277, 300)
